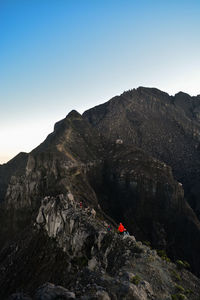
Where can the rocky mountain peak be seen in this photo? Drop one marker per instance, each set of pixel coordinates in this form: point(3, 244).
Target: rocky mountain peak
point(143, 92)
point(135, 160)
point(182, 95)
point(151, 91)
point(73, 115)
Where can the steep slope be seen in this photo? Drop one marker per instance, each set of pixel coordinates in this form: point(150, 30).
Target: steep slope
point(56, 166)
point(141, 191)
point(14, 166)
point(75, 163)
point(90, 262)
point(165, 127)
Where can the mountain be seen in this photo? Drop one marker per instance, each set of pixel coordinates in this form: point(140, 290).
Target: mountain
point(166, 127)
point(51, 246)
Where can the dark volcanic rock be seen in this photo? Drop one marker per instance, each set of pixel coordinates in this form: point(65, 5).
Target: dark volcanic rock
point(90, 263)
point(165, 127)
point(57, 166)
point(142, 193)
point(14, 166)
point(51, 292)
point(19, 296)
point(46, 236)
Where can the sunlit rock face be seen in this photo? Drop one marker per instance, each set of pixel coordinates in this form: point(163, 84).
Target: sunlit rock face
point(98, 170)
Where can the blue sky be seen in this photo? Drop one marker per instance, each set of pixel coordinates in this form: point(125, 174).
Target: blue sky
point(58, 55)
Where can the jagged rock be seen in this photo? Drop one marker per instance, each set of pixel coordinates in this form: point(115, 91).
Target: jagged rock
point(99, 263)
point(102, 295)
point(51, 292)
point(92, 263)
point(165, 127)
point(14, 166)
point(47, 236)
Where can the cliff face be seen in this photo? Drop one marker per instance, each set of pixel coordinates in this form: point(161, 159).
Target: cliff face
point(165, 127)
point(100, 164)
point(14, 166)
point(141, 192)
point(56, 165)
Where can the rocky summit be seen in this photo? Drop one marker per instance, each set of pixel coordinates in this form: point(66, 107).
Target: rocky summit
point(166, 127)
point(135, 160)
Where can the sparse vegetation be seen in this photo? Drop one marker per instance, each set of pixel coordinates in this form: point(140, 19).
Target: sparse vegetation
point(147, 243)
point(175, 275)
point(181, 293)
point(135, 279)
point(187, 265)
point(163, 255)
point(188, 292)
point(180, 288)
point(182, 264)
point(178, 296)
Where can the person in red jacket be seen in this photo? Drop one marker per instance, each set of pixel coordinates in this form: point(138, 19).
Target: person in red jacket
point(121, 228)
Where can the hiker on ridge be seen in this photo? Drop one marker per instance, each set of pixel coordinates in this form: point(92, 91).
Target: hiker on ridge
point(121, 228)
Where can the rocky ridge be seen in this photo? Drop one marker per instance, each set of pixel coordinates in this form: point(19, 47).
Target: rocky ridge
point(46, 237)
point(166, 127)
point(98, 264)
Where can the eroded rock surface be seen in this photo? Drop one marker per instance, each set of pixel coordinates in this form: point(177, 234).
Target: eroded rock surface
point(97, 264)
point(165, 127)
point(53, 244)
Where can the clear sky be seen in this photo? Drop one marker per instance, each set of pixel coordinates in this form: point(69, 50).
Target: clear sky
point(59, 55)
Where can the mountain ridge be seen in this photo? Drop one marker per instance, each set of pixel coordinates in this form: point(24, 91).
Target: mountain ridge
point(110, 160)
point(168, 128)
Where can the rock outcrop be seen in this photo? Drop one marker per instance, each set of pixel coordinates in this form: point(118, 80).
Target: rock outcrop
point(141, 192)
point(70, 246)
point(15, 166)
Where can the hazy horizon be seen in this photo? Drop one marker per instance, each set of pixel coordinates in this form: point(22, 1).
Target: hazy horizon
point(61, 55)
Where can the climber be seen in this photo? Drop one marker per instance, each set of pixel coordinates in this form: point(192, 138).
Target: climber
point(108, 228)
point(81, 204)
point(121, 228)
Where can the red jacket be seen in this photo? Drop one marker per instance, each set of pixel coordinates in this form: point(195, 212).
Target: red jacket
point(121, 228)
